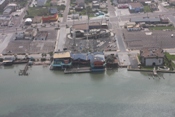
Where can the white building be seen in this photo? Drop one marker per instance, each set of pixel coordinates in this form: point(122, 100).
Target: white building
point(41, 2)
point(152, 56)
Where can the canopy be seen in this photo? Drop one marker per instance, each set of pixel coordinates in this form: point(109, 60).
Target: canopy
point(28, 20)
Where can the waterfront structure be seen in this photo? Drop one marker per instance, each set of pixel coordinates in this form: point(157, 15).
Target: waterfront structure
point(8, 60)
point(61, 60)
point(111, 61)
point(81, 59)
point(152, 56)
point(50, 18)
point(98, 62)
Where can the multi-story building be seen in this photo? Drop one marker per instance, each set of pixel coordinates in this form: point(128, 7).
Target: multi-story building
point(61, 60)
point(98, 62)
point(152, 56)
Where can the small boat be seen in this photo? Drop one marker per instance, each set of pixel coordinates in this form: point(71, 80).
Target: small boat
point(154, 71)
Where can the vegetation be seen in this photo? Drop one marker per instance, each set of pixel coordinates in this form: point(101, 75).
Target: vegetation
point(48, 3)
point(170, 57)
point(162, 28)
point(139, 57)
point(170, 7)
point(61, 7)
point(147, 9)
point(37, 11)
point(42, 11)
point(168, 60)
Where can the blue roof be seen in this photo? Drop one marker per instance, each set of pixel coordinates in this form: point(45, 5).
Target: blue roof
point(53, 10)
point(97, 56)
point(82, 56)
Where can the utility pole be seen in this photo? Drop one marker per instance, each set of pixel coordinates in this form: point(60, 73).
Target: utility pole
point(16, 30)
point(87, 30)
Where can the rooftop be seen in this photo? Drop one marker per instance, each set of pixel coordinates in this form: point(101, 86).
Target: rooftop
point(140, 39)
point(151, 52)
point(37, 19)
point(62, 55)
point(146, 19)
point(82, 56)
point(84, 26)
point(135, 4)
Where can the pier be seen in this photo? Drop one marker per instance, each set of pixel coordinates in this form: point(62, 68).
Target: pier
point(24, 71)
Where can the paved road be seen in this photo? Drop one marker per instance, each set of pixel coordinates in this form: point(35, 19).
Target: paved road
point(5, 42)
point(62, 38)
point(116, 29)
point(66, 11)
point(60, 42)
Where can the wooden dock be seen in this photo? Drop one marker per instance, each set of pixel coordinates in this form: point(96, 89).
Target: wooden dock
point(77, 70)
point(24, 71)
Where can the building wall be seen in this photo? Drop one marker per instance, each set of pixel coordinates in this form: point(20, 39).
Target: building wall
point(50, 18)
point(151, 61)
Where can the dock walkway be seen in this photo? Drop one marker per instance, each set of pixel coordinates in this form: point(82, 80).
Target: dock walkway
point(77, 70)
point(24, 71)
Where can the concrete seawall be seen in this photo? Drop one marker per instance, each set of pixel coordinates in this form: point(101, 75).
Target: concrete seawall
point(145, 70)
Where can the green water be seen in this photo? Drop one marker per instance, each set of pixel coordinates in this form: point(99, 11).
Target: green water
point(116, 93)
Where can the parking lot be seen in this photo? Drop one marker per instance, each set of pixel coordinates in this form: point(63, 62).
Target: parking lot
point(139, 39)
point(32, 46)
